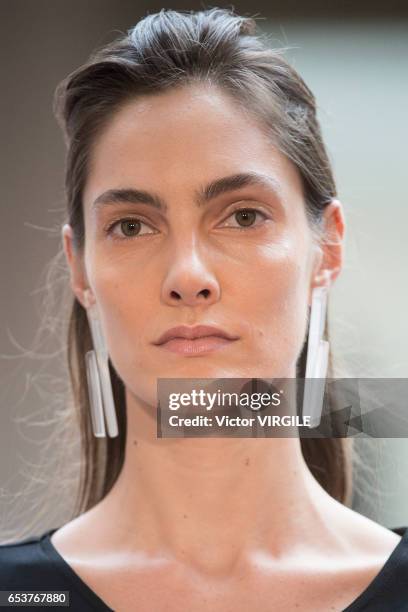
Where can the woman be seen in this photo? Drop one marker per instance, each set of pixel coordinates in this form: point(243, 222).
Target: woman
point(200, 193)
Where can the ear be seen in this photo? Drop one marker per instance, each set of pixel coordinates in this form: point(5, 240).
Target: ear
point(75, 260)
point(329, 263)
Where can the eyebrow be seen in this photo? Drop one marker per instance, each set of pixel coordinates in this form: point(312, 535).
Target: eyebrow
point(204, 195)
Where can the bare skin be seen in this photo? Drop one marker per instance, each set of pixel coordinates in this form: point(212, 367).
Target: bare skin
point(208, 524)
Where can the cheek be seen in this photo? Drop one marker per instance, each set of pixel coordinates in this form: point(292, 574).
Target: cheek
point(277, 300)
point(125, 305)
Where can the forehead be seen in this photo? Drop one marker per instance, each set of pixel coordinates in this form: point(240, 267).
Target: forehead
point(180, 138)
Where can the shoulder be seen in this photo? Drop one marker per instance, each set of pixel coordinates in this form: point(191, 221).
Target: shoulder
point(388, 589)
point(397, 562)
point(23, 564)
point(33, 564)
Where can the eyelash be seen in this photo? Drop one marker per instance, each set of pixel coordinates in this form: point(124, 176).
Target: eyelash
point(110, 228)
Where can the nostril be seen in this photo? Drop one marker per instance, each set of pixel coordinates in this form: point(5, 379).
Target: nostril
point(205, 292)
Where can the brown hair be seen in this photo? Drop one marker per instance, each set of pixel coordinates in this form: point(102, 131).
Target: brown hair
point(166, 50)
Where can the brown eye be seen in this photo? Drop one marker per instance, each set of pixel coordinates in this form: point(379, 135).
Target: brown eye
point(130, 227)
point(245, 217)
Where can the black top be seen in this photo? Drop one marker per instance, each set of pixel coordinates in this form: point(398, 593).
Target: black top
point(35, 564)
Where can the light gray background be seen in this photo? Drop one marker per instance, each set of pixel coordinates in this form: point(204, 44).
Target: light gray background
point(356, 64)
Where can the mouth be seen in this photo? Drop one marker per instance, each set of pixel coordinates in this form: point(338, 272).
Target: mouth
point(195, 346)
point(196, 340)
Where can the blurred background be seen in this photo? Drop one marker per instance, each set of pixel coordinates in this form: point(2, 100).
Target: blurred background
point(354, 57)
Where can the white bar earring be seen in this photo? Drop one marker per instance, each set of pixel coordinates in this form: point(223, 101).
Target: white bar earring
point(95, 395)
point(99, 382)
point(317, 359)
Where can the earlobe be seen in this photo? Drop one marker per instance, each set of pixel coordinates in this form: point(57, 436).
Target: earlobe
point(318, 275)
point(323, 279)
point(75, 263)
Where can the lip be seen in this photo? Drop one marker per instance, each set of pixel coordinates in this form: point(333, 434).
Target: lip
point(196, 340)
point(197, 346)
point(193, 333)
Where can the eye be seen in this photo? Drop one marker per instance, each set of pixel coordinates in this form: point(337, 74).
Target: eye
point(127, 228)
point(246, 217)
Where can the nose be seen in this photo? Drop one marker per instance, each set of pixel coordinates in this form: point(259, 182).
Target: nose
point(189, 280)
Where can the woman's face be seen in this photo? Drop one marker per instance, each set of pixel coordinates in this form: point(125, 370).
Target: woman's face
point(197, 260)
